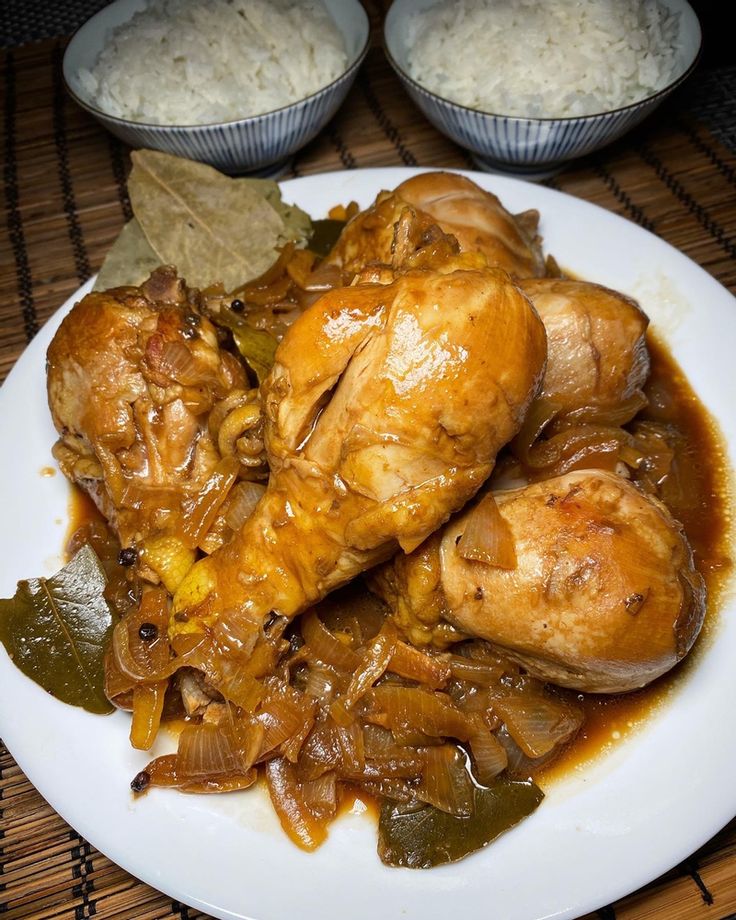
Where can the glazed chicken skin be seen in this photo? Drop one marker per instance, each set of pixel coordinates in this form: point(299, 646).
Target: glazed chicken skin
point(597, 361)
point(478, 220)
point(132, 376)
point(602, 597)
point(373, 438)
point(459, 207)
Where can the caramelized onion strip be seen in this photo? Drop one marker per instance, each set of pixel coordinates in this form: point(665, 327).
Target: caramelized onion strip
point(297, 820)
point(487, 536)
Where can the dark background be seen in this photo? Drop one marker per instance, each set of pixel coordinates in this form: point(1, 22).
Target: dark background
point(31, 20)
point(718, 36)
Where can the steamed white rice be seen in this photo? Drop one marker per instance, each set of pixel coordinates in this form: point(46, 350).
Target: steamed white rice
point(183, 62)
point(538, 58)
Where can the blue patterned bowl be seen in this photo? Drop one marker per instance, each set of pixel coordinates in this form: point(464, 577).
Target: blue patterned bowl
point(261, 144)
point(531, 148)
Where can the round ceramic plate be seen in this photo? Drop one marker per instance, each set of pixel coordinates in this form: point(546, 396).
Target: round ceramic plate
point(600, 833)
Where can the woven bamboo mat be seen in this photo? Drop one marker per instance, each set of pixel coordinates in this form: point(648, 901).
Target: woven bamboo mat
point(64, 200)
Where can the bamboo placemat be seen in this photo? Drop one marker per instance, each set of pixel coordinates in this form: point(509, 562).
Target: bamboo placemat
point(65, 201)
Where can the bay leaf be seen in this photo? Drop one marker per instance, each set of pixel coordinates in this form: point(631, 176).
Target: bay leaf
point(325, 233)
point(211, 227)
point(419, 837)
point(130, 260)
point(256, 346)
point(297, 223)
point(56, 631)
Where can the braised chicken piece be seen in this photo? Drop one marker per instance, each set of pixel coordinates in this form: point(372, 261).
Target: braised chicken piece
point(591, 584)
point(133, 374)
point(597, 360)
point(476, 218)
point(385, 409)
point(478, 221)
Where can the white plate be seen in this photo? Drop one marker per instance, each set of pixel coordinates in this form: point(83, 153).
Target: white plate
point(599, 834)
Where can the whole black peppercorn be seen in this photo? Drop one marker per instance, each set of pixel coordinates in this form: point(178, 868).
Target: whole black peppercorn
point(237, 306)
point(128, 556)
point(140, 781)
point(148, 632)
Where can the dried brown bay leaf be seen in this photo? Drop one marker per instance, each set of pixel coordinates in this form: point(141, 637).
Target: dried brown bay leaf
point(131, 259)
point(297, 223)
point(211, 227)
point(56, 631)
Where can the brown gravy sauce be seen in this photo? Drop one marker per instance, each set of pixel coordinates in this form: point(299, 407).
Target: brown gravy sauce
point(707, 481)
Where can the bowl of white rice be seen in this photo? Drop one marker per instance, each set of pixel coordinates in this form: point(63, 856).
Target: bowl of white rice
point(528, 85)
point(239, 84)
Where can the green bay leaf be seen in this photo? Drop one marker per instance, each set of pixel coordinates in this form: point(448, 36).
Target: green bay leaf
point(256, 346)
point(56, 631)
point(421, 837)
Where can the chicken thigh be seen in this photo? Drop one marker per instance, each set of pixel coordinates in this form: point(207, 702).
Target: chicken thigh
point(602, 595)
point(385, 409)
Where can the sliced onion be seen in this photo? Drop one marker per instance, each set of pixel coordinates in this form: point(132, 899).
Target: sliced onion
point(379, 743)
point(243, 499)
point(489, 755)
point(320, 684)
point(407, 766)
point(582, 447)
point(325, 646)
point(283, 716)
point(272, 274)
point(375, 660)
point(299, 267)
point(148, 704)
point(325, 277)
point(408, 661)
point(202, 511)
point(519, 765)
point(205, 750)
point(390, 788)
point(140, 659)
point(291, 748)
point(445, 782)
point(540, 414)
point(352, 749)
point(295, 817)
point(656, 449)
point(482, 673)
point(320, 752)
point(487, 537)
point(413, 709)
point(614, 416)
point(320, 796)
point(178, 363)
point(537, 722)
point(163, 772)
point(236, 636)
point(471, 698)
point(242, 690)
point(118, 686)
